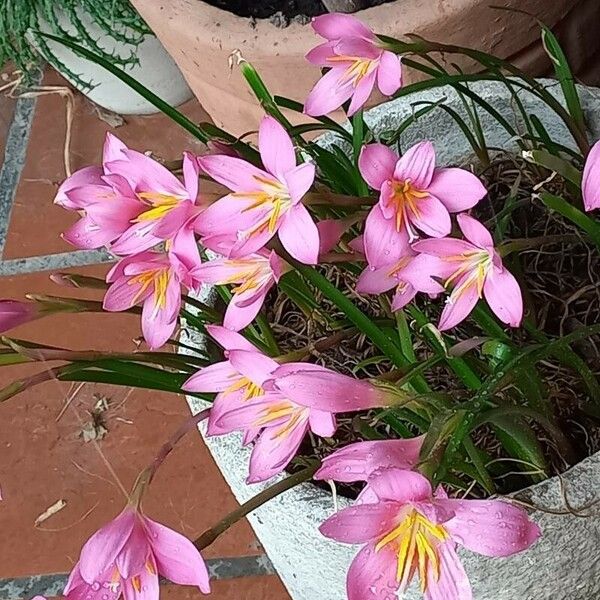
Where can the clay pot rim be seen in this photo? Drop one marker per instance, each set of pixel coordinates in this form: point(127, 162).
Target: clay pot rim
point(376, 17)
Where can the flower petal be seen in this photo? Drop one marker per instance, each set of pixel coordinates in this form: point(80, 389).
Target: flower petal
point(276, 148)
point(376, 163)
point(356, 462)
point(191, 171)
point(458, 306)
point(417, 164)
point(213, 378)
point(134, 554)
point(122, 295)
point(299, 180)
point(230, 340)
point(431, 217)
point(503, 294)
point(444, 247)
point(322, 423)
point(87, 235)
point(234, 173)
point(389, 73)
point(372, 574)
point(400, 485)
point(590, 183)
point(240, 313)
point(101, 550)
point(383, 243)
point(299, 235)
point(362, 92)
point(361, 523)
point(321, 54)
point(253, 365)
point(274, 450)
point(334, 26)
point(159, 321)
point(329, 93)
point(112, 149)
point(376, 281)
point(490, 527)
point(451, 583)
point(176, 557)
point(324, 389)
point(475, 232)
point(83, 177)
point(458, 189)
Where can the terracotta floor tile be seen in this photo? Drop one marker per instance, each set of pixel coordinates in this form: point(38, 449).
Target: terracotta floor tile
point(33, 211)
point(245, 588)
point(44, 460)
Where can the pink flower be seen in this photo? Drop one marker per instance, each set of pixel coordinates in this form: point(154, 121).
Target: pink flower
point(153, 279)
point(263, 202)
point(408, 276)
point(413, 194)
point(132, 201)
point(411, 532)
point(474, 269)
point(255, 275)
point(14, 313)
point(357, 61)
point(233, 385)
point(126, 556)
point(590, 183)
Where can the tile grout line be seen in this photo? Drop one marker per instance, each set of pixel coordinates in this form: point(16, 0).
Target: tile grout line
point(51, 262)
point(54, 583)
point(15, 154)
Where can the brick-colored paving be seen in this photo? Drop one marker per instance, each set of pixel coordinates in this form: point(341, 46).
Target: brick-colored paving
point(44, 457)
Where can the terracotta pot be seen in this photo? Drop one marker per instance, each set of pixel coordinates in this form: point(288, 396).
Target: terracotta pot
point(200, 39)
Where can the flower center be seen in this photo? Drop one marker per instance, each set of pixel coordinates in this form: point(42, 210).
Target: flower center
point(274, 197)
point(250, 389)
point(159, 278)
point(357, 69)
point(415, 540)
point(405, 199)
point(161, 204)
point(279, 410)
point(475, 265)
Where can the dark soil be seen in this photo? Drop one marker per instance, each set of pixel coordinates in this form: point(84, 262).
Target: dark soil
point(281, 12)
point(562, 280)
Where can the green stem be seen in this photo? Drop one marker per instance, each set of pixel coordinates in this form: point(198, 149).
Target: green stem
point(358, 134)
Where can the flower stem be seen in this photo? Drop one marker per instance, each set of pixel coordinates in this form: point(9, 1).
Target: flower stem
point(210, 535)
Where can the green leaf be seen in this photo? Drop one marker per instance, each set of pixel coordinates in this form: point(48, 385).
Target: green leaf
point(554, 163)
point(564, 76)
point(573, 214)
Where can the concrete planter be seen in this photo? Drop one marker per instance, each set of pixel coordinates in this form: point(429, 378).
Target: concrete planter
point(200, 38)
point(564, 564)
point(156, 70)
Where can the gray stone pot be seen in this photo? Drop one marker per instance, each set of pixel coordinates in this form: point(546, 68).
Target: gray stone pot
point(565, 563)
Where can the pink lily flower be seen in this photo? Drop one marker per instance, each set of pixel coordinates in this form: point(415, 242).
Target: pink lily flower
point(153, 279)
point(408, 275)
point(255, 275)
point(233, 386)
point(357, 61)
point(412, 532)
point(474, 269)
point(126, 557)
point(14, 313)
point(131, 201)
point(590, 183)
point(414, 194)
point(262, 202)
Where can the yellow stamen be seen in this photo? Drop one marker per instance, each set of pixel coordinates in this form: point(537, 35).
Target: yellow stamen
point(161, 205)
point(137, 584)
point(357, 69)
point(160, 279)
point(150, 568)
point(404, 199)
point(415, 541)
point(251, 390)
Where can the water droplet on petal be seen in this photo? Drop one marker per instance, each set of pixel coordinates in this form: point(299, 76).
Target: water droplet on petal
point(96, 586)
